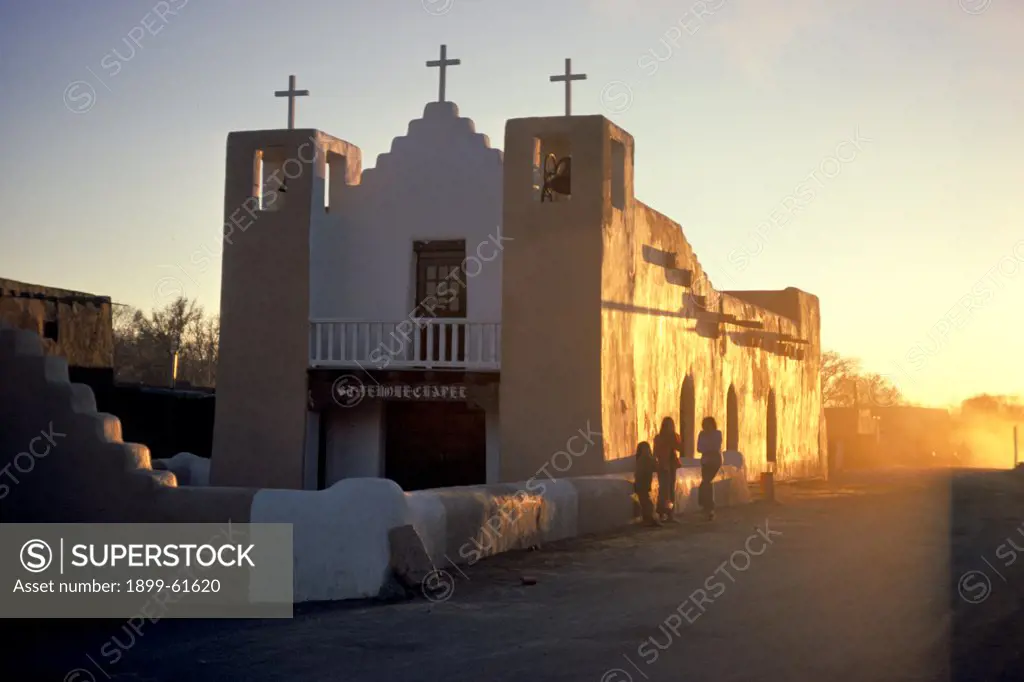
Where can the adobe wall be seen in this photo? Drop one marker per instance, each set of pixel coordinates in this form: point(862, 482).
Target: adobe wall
point(656, 336)
point(85, 326)
point(607, 312)
point(62, 461)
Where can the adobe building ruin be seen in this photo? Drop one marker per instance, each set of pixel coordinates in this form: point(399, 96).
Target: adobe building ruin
point(71, 324)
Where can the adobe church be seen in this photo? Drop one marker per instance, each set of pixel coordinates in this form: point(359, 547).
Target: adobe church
point(457, 315)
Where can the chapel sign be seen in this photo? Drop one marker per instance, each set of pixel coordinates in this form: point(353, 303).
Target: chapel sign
point(349, 390)
point(401, 391)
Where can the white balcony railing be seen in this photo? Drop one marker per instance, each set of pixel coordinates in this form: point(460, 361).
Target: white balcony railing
point(435, 343)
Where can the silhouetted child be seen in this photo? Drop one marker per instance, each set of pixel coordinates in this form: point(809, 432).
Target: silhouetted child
point(642, 478)
point(709, 445)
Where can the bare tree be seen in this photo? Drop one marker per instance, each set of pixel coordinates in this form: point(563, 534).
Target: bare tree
point(129, 354)
point(836, 375)
point(199, 354)
point(144, 346)
point(844, 384)
point(876, 390)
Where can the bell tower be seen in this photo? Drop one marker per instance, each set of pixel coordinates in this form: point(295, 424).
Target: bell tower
point(568, 190)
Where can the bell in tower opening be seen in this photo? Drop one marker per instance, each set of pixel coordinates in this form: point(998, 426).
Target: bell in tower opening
point(557, 177)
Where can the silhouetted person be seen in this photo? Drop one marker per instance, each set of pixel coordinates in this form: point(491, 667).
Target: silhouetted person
point(642, 478)
point(666, 447)
point(709, 445)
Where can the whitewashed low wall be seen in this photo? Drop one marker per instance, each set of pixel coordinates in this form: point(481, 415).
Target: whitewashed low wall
point(463, 525)
point(730, 487)
point(730, 484)
point(340, 535)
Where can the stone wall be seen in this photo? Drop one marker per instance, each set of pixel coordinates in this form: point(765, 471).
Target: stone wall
point(81, 323)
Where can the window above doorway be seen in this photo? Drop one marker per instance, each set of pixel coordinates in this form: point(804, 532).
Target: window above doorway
point(441, 282)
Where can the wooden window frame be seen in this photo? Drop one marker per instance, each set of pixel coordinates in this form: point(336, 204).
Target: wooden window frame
point(445, 253)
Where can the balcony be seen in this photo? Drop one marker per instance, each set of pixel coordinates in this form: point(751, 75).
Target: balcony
point(434, 344)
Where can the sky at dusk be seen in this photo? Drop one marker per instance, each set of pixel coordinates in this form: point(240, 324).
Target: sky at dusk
point(866, 151)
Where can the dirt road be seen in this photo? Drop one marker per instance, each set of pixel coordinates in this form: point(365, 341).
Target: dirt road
point(898, 576)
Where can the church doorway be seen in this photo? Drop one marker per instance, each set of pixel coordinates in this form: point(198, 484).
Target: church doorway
point(732, 421)
point(434, 444)
point(688, 417)
point(771, 430)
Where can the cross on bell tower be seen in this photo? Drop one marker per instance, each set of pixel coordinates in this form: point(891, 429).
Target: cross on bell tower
point(291, 93)
point(443, 63)
point(568, 78)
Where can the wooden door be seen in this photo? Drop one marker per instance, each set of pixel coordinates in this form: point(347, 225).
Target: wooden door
point(434, 444)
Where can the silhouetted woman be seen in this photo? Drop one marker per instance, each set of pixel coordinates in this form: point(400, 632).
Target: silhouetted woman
point(666, 447)
point(709, 445)
point(642, 477)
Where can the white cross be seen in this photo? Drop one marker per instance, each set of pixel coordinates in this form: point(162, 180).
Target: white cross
point(291, 93)
point(443, 63)
point(568, 78)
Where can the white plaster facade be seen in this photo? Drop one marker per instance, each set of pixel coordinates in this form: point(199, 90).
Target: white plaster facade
point(441, 181)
